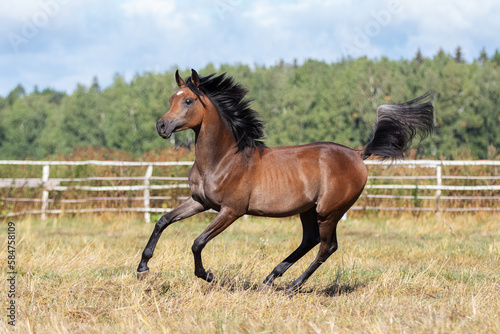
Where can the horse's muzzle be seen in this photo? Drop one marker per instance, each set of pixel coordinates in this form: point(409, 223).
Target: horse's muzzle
point(165, 127)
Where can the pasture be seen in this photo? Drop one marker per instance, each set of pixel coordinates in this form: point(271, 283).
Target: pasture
point(407, 274)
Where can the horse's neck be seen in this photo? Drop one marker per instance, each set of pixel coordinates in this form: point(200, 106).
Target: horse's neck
point(214, 140)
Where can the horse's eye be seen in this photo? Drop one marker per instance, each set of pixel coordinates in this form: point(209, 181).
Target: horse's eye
point(188, 101)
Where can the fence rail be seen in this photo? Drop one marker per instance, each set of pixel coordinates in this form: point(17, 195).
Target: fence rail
point(488, 191)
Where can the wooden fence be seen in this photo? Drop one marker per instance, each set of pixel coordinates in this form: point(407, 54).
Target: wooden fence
point(421, 185)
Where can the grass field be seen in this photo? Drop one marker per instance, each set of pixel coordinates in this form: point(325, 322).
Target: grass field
point(406, 275)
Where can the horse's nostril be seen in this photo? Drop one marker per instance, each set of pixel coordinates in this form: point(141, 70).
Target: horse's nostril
point(160, 126)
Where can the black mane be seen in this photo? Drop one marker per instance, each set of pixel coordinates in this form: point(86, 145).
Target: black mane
point(229, 99)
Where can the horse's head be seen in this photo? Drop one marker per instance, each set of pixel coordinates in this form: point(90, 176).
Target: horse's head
point(186, 108)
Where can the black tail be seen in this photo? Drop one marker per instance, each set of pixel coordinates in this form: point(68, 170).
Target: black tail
point(397, 125)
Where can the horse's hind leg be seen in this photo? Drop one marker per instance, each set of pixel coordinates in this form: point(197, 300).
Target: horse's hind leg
point(310, 238)
point(328, 245)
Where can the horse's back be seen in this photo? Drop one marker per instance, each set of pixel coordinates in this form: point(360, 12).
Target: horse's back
point(330, 156)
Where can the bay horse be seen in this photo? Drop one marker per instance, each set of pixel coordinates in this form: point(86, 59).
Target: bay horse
point(234, 173)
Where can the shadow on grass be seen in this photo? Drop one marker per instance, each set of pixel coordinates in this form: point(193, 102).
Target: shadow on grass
point(336, 289)
point(238, 284)
point(235, 284)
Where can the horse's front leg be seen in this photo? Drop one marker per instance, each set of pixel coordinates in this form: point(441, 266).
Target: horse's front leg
point(187, 209)
point(225, 218)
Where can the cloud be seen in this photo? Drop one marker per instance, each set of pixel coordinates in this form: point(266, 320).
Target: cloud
point(154, 8)
point(450, 24)
point(17, 10)
point(83, 38)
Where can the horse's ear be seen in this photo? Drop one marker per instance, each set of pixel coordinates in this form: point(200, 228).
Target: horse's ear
point(195, 78)
point(179, 80)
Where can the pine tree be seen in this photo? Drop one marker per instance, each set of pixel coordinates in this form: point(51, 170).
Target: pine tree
point(496, 58)
point(483, 57)
point(419, 59)
point(458, 55)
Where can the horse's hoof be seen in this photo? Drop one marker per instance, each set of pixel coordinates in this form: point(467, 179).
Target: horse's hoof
point(142, 275)
point(210, 277)
point(292, 291)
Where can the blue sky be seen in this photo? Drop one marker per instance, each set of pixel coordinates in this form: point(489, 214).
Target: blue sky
point(60, 43)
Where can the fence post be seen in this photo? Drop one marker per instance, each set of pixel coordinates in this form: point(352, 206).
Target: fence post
point(45, 192)
point(439, 184)
point(149, 172)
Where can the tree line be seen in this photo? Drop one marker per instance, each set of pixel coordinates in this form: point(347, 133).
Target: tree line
point(314, 101)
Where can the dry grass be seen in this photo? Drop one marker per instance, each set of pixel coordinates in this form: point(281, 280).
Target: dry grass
point(410, 275)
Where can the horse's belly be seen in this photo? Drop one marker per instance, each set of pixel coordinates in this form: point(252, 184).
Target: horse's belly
point(282, 200)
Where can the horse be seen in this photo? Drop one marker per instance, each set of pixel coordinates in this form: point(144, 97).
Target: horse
point(236, 174)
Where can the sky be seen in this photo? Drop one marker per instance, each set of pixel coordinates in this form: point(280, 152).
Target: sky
point(58, 44)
